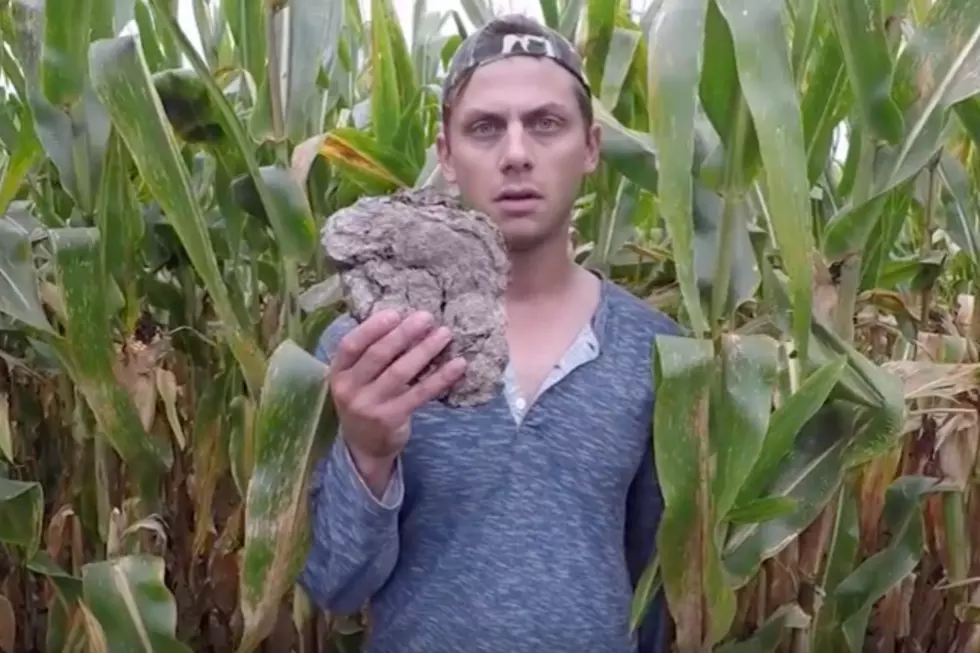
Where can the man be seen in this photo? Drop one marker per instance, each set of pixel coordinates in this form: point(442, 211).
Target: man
point(522, 525)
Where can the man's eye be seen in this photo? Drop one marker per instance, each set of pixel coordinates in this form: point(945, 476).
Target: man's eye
point(482, 128)
point(548, 123)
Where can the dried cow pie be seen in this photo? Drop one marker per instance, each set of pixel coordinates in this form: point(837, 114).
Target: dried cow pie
point(422, 250)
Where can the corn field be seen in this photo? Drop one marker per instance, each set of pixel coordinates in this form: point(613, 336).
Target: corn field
point(796, 181)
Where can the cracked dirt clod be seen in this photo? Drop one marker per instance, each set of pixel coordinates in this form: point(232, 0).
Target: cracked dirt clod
point(422, 250)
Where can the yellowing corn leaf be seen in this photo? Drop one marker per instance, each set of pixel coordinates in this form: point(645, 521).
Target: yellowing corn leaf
point(286, 433)
point(700, 601)
point(356, 154)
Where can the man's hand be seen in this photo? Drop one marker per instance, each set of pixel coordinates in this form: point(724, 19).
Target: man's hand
point(369, 383)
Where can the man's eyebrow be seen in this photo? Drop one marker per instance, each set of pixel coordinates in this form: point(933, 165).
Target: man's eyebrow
point(547, 107)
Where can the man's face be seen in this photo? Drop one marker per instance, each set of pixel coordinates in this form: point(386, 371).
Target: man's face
point(517, 148)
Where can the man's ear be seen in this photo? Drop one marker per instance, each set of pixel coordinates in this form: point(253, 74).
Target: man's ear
point(593, 148)
point(445, 164)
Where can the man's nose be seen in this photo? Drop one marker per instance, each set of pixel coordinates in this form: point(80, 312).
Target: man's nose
point(516, 155)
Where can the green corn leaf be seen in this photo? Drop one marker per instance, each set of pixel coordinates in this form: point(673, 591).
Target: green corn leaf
point(120, 225)
point(295, 234)
point(19, 297)
point(860, 27)
point(673, 73)
point(722, 99)
point(246, 22)
point(942, 57)
point(287, 438)
point(88, 349)
point(66, 37)
point(740, 412)
point(963, 212)
point(122, 81)
point(21, 514)
point(314, 33)
point(291, 206)
point(768, 637)
point(600, 23)
point(133, 608)
point(873, 578)
point(386, 99)
point(623, 47)
point(650, 583)
point(770, 92)
point(22, 159)
point(786, 422)
point(842, 550)
point(570, 15)
point(826, 101)
point(616, 225)
point(761, 510)
point(549, 11)
point(629, 152)
point(809, 476)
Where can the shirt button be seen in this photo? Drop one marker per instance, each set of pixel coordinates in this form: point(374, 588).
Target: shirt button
point(521, 404)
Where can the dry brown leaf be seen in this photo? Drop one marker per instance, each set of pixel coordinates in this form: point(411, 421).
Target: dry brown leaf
point(923, 379)
point(8, 625)
point(269, 321)
point(135, 369)
point(54, 536)
point(824, 291)
point(964, 311)
point(958, 439)
point(876, 477)
point(6, 428)
point(94, 634)
point(166, 385)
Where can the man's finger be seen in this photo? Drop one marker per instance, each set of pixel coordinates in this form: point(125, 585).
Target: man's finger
point(379, 355)
point(395, 379)
point(431, 387)
point(353, 345)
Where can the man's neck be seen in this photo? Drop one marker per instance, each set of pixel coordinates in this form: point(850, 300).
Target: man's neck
point(539, 275)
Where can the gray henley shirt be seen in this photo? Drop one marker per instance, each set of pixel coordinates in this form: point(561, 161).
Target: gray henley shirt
point(506, 528)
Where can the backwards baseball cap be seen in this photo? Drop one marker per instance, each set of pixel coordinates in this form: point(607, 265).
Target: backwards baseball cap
point(508, 36)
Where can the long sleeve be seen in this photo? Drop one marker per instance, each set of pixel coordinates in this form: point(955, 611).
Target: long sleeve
point(644, 509)
point(355, 541)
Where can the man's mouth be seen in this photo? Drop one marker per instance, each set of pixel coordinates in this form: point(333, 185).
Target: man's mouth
point(517, 194)
point(518, 202)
